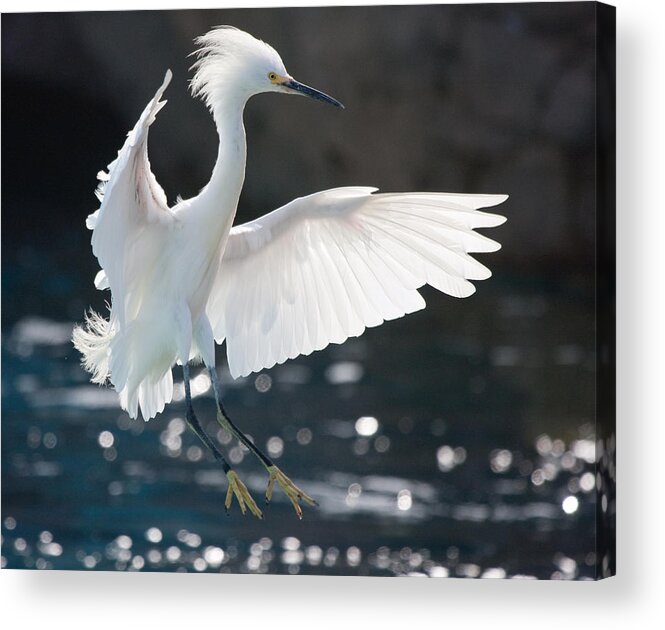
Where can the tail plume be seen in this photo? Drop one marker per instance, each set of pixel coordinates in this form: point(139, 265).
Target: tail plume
point(93, 341)
point(139, 372)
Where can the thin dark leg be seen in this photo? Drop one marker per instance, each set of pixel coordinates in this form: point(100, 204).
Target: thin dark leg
point(236, 487)
point(293, 492)
point(228, 424)
point(195, 425)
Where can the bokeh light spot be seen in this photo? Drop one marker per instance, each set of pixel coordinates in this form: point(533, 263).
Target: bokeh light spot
point(105, 439)
point(570, 504)
point(367, 426)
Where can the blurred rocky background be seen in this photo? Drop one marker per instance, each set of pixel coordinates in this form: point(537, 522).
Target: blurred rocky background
point(477, 98)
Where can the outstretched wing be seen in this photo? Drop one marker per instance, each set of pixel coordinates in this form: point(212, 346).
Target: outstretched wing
point(324, 267)
point(133, 210)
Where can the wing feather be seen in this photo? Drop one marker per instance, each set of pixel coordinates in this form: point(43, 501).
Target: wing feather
point(325, 267)
point(133, 211)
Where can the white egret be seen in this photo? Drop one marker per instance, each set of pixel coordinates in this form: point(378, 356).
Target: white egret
point(316, 271)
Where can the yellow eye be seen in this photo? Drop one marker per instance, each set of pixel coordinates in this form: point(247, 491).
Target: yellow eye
point(272, 76)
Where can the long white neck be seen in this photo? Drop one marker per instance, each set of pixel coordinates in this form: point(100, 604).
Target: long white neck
point(217, 203)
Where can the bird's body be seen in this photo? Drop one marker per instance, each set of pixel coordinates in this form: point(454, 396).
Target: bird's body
point(318, 270)
point(164, 262)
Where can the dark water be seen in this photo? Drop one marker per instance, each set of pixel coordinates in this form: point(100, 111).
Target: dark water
point(458, 441)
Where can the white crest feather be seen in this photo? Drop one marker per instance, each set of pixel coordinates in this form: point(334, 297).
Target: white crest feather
point(228, 60)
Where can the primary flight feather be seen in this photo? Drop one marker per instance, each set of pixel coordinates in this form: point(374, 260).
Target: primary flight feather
point(316, 271)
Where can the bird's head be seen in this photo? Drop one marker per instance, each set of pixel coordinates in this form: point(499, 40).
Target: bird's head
point(232, 62)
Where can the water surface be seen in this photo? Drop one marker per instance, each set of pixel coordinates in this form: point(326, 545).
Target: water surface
point(455, 442)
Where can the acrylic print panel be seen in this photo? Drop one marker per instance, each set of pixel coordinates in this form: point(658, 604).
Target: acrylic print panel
point(473, 438)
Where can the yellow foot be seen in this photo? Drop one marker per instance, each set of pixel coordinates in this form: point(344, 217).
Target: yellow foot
point(238, 488)
point(290, 489)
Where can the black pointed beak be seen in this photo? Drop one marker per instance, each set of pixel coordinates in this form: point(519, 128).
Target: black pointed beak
point(301, 88)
